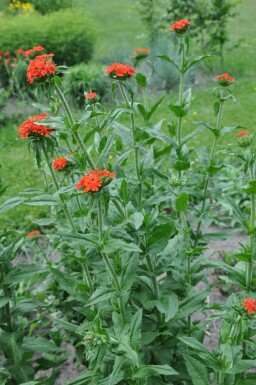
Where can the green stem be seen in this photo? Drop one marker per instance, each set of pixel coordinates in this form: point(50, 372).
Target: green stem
point(66, 210)
point(6, 294)
point(207, 178)
point(72, 123)
point(249, 264)
point(188, 255)
point(97, 122)
point(155, 286)
point(181, 91)
point(108, 262)
point(136, 149)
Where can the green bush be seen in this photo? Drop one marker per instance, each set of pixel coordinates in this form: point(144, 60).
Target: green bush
point(46, 6)
point(84, 78)
point(67, 33)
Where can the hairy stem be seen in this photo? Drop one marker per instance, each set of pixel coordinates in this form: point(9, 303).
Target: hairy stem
point(136, 149)
point(66, 211)
point(72, 123)
point(108, 262)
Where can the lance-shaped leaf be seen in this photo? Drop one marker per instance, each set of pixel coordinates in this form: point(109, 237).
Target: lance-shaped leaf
point(77, 289)
point(10, 203)
point(170, 60)
point(151, 370)
point(196, 370)
point(101, 294)
point(236, 210)
point(196, 60)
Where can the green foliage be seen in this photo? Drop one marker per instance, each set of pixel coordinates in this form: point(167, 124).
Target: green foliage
point(83, 78)
point(44, 6)
point(71, 39)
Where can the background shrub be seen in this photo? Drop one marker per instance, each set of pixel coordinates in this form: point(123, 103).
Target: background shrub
point(46, 6)
point(84, 78)
point(70, 36)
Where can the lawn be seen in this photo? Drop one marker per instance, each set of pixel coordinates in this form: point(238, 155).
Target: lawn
point(119, 32)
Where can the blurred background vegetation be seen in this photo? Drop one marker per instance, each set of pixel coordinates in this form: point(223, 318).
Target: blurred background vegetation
point(87, 35)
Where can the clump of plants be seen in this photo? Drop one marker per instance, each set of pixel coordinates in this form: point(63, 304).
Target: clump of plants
point(127, 208)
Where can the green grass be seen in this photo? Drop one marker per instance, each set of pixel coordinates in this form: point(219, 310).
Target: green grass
point(120, 31)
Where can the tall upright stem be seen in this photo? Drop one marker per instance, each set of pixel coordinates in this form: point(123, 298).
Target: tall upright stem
point(181, 91)
point(72, 123)
point(67, 213)
point(207, 177)
point(108, 262)
point(136, 149)
point(249, 264)
point(155, 286)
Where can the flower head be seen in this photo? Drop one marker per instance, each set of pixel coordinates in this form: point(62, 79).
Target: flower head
point(242, 133)
point(59, 163)
point(20, 51)
point(250, 305)
point(31, 128)
point(90, 95)
point(224, 80)
point(180, 26)
point(33, 233)
point(120, 71)
point(140, 53)
point(38, 48)
point(93, 181)
point(40, 67)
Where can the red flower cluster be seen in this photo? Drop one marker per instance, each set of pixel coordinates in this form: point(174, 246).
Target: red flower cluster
point(180, 26)
point(90, 95)
point(140, 53)
point(38, 48)
point(40, 67)
point(242, 133)
point(59, 163)
point(224, 80)
point(30, 128)
point(92, 181)
point(250, 305)
point(120, 71)
point(33, 233)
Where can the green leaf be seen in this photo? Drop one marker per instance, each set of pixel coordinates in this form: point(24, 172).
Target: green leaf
point(10, 344)
point(247, 381)
point(170, 60)
point(170, 305)
point(136, 219)
point(196, 60)
point(23, 273)
point(25, 305)
point(178, 111)
point(251, 189)
point(113, 245)
point(4, 301)
point(160, 236)
point(135, 330)
point(151, 370)
point(115, 377)
point(86, 240)
point(181, 204)
point(141, 80)
point(192, 134)
point(181, 165)
point(39, 344)
point(236, 210)
point(42, 200)
point(57, 80)
point(129, 271)
point(105, 152)
point(77, 289)
point(196, 370)
point(10, 203)
point(242, 366)
point(30, 383)
point(101, 294)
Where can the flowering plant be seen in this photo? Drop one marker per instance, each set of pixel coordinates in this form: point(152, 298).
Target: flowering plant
point(131, 241)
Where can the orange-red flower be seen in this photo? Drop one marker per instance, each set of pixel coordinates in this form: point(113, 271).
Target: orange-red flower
point(242, 133)
point(7, 53)
point(38, 48)
point(224, 80)
point(92, 181)
point(30, 127)
point(90, 95)
point(20, 51)
point(140, 53)
point(120, 71)
point(250, 305)
point(33, 233)
point(59, 163)
point(40, 67)
point(180, 26)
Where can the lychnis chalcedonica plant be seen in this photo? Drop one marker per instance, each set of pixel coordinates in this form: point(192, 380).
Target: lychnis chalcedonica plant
point(126, 213)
